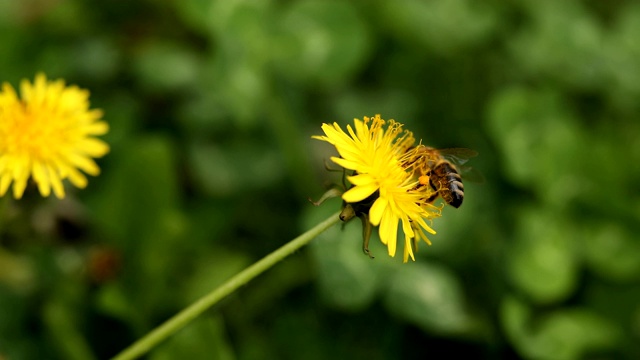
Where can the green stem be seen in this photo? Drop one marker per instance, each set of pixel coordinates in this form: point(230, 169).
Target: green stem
point(160, 333)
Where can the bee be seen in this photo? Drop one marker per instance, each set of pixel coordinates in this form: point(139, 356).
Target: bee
point(438, 169)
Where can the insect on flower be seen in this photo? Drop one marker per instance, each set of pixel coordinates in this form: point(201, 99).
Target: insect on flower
point(383, 191)
point(438, 168)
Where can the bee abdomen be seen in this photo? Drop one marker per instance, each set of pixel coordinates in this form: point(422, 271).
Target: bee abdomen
point(455, 190)
point(457, 193)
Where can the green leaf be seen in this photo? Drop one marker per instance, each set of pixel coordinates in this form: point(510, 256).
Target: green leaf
point(211, 271)
point(234, 77)
point(140, 193)
point(205, 338)
point(138, 211)
point(541, 143)
point(197, 14)
point(542, 262)
point(166, 66)
point(321, 42)
point(223, 171)
point(612, 252)
point(61, 320)
point(564, 42)
point(394, 103)
point(621, 53)
point(17, 272)
point(430, 296)
point(18, 340)
point(563, 334)
point(443, 26)
point(347, 278)
point(111, 299)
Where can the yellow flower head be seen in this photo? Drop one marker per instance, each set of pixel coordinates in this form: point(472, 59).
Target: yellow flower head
point(48, 134)
point(377, 153)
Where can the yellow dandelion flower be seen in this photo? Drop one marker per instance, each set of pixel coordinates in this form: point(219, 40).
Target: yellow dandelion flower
point(376, 155)
point(48, 134)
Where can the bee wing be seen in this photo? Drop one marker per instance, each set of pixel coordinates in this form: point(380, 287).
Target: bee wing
point(471, 174)
point(457, 156)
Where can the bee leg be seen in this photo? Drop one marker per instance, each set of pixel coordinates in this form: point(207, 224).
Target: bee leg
point(366, 234)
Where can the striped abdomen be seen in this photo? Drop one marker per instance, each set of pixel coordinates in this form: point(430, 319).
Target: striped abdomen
point(448, 183)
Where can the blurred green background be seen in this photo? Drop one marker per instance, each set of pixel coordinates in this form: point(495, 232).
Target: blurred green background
point(211, 106)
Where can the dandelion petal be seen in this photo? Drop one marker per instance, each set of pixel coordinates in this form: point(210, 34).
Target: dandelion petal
point(47, 134)
point(359, 193)
point(377, 152)
point(378, 208)
point(41, 177)
point(361, 179)
point(351, 165)
point(389, 231)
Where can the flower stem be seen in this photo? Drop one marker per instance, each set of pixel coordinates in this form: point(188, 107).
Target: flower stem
point(160, 333)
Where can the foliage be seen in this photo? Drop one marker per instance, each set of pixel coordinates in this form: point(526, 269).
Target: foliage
point(211, 105)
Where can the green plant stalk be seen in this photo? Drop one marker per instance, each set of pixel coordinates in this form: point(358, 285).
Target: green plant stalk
point(175, 323)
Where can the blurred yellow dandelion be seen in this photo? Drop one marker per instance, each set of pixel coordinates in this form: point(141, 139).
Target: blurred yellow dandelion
point(48, 134)
point(377, 155)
